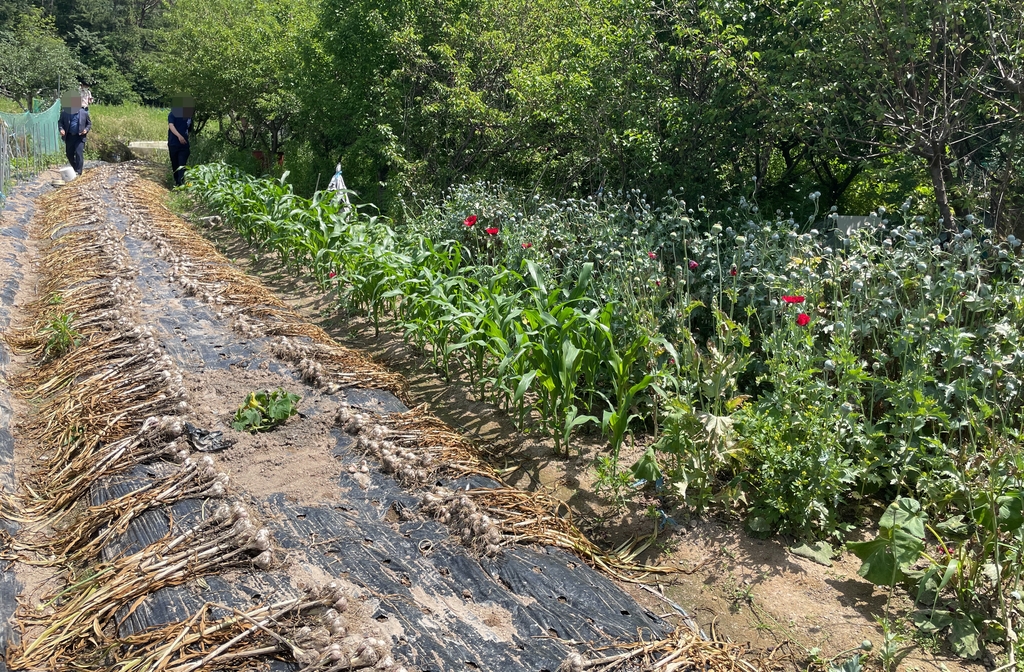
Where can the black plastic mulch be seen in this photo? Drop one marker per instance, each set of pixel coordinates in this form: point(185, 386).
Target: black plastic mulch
point(17, 212)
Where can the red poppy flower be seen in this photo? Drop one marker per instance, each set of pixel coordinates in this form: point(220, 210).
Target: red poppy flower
point(470, 221)
point(527, 246)
point(492, 231)
point(732, 271)
point(331, 274)
point(803, 319)
point(652, 255)
point(793, 299)
point(693, 265)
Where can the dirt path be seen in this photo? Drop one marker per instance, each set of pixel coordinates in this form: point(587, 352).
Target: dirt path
point(375, 532)
point(741, 587)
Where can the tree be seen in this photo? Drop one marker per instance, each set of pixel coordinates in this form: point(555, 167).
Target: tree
point(548, 94)
point(241, 61)
point(911, 77)
point(34, 60)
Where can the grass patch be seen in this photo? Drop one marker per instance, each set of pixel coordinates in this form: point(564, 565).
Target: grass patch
point(114, 126)
point(9, 106)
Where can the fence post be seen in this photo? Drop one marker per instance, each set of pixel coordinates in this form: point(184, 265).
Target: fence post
point(5, 161)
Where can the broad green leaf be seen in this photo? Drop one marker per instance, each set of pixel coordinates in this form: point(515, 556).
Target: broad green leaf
point(646, 468)
point(1009, 513)
point(965, 638)
point(905, 514)
point(878, 565)
point(932, 621)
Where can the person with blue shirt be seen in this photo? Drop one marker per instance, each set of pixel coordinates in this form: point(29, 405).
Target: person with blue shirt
point(74, 124)
point(179, 123)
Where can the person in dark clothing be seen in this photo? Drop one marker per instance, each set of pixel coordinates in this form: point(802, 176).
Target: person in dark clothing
point(179, 123)
point(74, 124)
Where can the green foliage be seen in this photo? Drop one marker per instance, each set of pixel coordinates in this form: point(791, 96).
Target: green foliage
point(264, 410)
point(241, 61)
point(968, 587)
point(114, 126)
point(794, 420)
point(526, 341)
point(851, 665)
point(34, 60)
point(897, 547)
point(61, 336)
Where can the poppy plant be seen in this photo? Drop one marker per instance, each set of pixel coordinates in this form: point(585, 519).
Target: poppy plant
point(331, 274)
point(733, 271)
point(793, 299)
point(652, 255)
point(693, 265)
point(527, 246)
point(491, 231)
point(470, 221)
point(803, 319)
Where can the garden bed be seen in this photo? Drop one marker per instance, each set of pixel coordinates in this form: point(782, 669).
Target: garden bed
point(110, 484)
point(792, 416)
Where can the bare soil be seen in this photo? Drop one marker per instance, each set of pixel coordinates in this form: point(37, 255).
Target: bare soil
point(741, 587)
point(294, 459)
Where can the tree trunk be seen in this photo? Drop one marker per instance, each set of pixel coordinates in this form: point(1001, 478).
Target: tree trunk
point(937, 171)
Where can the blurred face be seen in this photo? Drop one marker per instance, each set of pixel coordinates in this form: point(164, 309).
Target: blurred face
point(71, 101)
point(183, 106)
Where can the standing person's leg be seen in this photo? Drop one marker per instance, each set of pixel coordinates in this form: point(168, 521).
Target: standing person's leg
point(79, 163)
point(183, 153)
point(173, 151)
point(179, 155)
point(69, 151)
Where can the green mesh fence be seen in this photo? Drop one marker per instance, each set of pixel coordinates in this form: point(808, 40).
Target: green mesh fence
point(30, 143)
